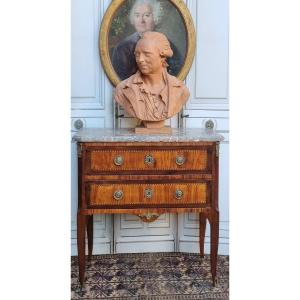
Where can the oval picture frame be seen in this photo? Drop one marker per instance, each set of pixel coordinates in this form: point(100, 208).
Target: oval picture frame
point(112, 26)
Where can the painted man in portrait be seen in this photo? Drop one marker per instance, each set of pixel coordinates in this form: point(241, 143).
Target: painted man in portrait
point(144, 16)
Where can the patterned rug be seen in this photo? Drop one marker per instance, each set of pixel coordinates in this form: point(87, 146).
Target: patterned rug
point(150, 276)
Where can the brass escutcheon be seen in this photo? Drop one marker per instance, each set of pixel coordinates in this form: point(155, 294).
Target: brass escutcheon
point(148, 193)
point(118, 160)
point(180, 160)
point(118, 195)
point(178, 194)
point(149, 160)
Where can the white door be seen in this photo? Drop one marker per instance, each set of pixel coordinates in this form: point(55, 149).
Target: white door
point(91, 102)
point(92, 106)
point(208, 105)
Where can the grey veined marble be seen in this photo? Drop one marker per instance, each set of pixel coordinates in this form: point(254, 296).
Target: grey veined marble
point(128, 135)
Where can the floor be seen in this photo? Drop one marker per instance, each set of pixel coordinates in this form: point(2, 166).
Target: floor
point(150, 276)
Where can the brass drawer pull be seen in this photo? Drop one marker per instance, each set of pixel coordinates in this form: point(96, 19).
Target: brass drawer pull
point(148, 193)
point(149, 160)
point(180, 160)
point(118, 195)
point(118, 160)
point(178, 194)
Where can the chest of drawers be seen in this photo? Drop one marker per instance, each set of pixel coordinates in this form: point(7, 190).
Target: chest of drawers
point(120, 172)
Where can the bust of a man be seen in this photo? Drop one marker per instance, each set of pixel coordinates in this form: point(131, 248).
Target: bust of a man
point(151, 94)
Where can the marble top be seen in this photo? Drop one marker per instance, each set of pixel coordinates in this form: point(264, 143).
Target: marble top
point(128, 135)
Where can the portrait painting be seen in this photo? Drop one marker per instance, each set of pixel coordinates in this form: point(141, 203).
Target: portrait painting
point(125, 22)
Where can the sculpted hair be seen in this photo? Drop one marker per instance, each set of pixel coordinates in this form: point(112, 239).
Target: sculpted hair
point(155, 6)
point(161, 42)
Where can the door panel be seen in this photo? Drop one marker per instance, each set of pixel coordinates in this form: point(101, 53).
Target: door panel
point(91, 103)
point(93, 106)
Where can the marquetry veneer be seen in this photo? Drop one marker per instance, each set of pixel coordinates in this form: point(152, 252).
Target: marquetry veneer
point(119, 172)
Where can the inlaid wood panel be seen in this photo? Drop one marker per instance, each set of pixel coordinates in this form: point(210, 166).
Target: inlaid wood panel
point(104, 160)
point(147, 194)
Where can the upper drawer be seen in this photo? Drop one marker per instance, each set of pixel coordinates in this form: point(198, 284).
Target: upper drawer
point(142, 160)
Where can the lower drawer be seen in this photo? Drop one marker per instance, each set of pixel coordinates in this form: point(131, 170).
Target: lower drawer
point(145, 194)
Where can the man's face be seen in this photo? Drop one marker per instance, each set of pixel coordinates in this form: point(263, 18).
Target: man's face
point(143, 18)
point(147, 57)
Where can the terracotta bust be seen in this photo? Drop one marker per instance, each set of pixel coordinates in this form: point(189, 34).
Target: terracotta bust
point(151, 94)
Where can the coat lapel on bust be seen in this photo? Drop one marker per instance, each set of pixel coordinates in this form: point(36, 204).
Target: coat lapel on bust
point(176, 91)
point(177, 94)
point(131, 91)
point(129, 94)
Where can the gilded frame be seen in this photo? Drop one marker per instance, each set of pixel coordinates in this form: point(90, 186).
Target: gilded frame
point(104, 39)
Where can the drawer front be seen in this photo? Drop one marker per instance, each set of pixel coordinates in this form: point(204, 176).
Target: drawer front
point(137, 194)
point(163, 160)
